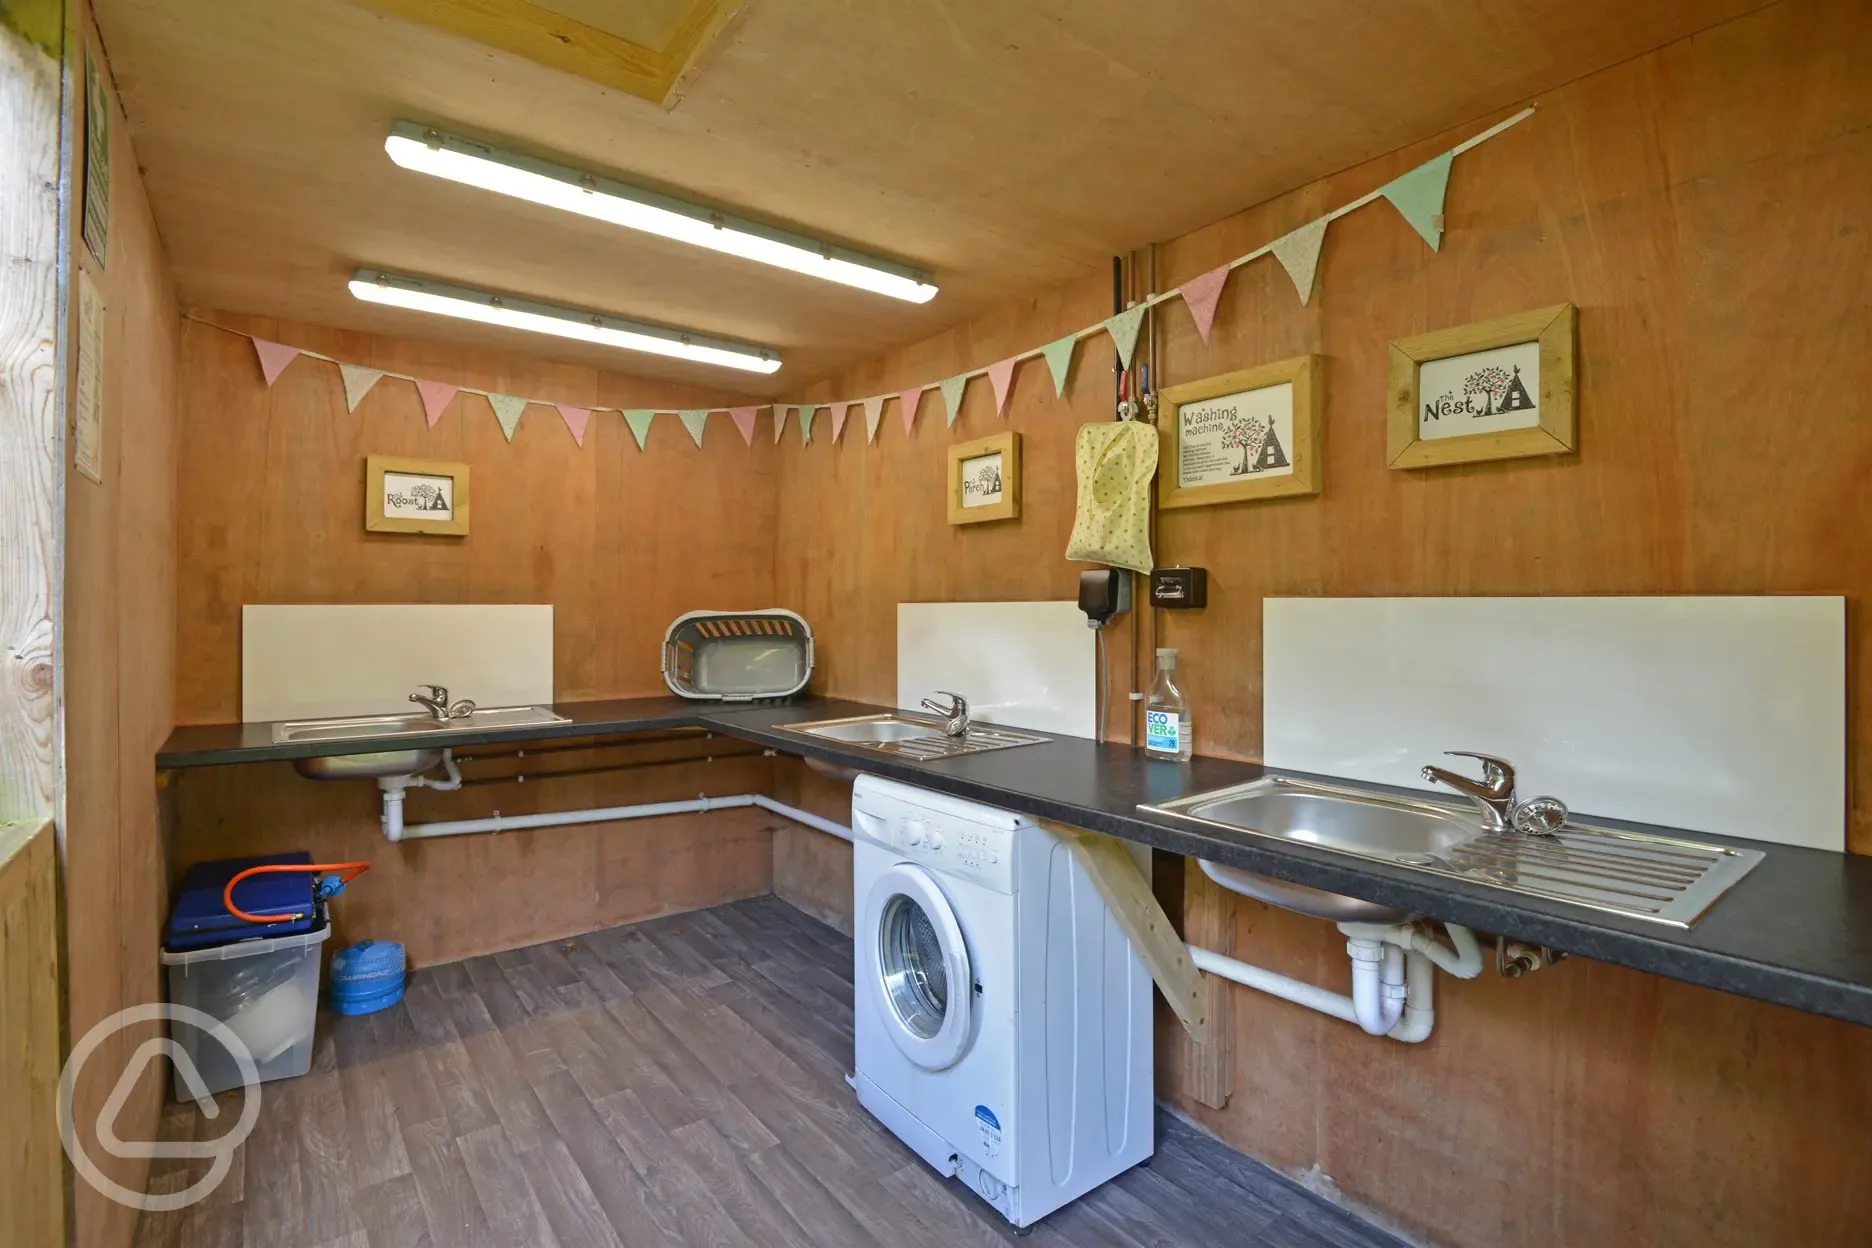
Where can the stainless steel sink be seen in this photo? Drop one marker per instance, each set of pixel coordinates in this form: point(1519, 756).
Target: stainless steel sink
point(368, 727)
point(1664, 879)
point(913, 736)
point(367, 766)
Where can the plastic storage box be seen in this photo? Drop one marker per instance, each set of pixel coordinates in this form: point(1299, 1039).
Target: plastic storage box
point(266, 990)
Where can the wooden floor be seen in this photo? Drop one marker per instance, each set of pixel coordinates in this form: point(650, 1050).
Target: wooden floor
point(678, 1082)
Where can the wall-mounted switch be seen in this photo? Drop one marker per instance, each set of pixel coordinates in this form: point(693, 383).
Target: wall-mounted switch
point(1179, 588)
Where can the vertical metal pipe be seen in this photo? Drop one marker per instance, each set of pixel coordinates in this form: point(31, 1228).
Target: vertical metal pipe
point(1140, 595)
point(1118, 305)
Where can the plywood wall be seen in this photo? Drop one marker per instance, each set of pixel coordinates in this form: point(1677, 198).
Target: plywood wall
point(1701, 205)
point(619, 540)
point(119, 662)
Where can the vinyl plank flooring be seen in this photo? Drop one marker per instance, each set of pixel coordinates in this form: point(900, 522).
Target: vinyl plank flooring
point(451, 978)
point(669, 1085)
point(806, 1201)
point(811, 1043)
point(374, 1148)
point(627, 1201)
point(720, 1165)
point(513, 1212)
point(324, 1135)
point(272, 1209)
point(593, 971)
point(507, 1092)
point(450, 1068)
point(406, 1071)
point(451, 1209)
point(534, 994)
point(577, 1217)
point(693, 967)
point(392, 1214)
point(550, 963)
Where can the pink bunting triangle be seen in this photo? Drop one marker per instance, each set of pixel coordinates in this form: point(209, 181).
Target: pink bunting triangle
point(839, 412)
point(1001, 377)
point(909, 399)
point(1202, 294)
point(576, 419)
point(273, 358)
point(744, 421)
point(435, 396)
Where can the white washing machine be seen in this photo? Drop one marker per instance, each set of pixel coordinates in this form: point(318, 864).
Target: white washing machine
point(1003, 1021)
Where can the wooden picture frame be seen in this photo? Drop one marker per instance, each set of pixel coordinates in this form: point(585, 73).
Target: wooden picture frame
point(1545, 338)
point(410, 479)
point(1271, 413)
point(971, 501)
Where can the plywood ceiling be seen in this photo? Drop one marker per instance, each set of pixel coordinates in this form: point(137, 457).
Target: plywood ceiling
point(1005, 146)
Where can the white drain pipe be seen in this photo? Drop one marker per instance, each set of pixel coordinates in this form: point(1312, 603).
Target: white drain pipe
point(1393, 974)
point(396, 831)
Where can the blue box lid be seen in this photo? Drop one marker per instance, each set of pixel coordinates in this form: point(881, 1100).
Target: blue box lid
point(201, 919)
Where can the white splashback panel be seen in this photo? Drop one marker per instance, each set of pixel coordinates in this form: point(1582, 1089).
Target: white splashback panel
point(1723, 715)
point(318, 661)
point(1020, 664)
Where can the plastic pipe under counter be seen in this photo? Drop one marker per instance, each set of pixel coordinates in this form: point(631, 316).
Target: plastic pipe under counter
point(396, 831)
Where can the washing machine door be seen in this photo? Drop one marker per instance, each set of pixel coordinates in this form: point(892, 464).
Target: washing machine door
point(917, 966)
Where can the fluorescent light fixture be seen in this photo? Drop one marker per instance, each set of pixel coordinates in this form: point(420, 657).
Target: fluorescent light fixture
point(559, 186)
point(420, 295)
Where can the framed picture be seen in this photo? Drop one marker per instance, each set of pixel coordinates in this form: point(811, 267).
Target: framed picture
point(1246, 435)
point(984, 479)
point(415, 496)
point(1499, 389)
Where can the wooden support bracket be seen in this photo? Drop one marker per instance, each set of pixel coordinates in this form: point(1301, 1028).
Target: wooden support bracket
point(1125, 890)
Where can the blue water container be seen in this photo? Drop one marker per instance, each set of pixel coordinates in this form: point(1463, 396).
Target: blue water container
point(367, 977)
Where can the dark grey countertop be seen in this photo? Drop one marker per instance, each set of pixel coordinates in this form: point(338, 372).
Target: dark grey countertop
point(1797, 931)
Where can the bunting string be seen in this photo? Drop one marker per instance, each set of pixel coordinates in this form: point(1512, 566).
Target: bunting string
point(1417, 195)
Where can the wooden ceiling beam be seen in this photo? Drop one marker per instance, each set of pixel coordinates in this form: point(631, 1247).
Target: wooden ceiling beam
point(538, 34)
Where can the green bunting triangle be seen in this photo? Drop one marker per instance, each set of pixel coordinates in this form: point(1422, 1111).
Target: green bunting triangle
point(1059, 361)
point(1123, 329)
point(952, 389)
point(639, 421)
point(806, 415)
point(693, 420)
point(507, 409)
point(1419, 196)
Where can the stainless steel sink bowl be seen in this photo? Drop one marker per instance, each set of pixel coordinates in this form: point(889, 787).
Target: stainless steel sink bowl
point(913, 736)
point(1664, 879)
point(872, 731)
point(367, 766)
point(368, 727)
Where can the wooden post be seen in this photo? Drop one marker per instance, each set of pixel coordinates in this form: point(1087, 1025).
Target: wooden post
point(31, 474)
point(1209, 923)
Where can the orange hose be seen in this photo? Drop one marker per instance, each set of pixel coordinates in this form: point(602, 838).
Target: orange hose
point(351, 870)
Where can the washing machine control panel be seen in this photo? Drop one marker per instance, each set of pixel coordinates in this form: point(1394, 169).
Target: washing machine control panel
point(944, 834)
point(956, 848)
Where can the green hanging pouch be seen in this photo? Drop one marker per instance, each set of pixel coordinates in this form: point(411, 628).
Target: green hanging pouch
point(1115, 461)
